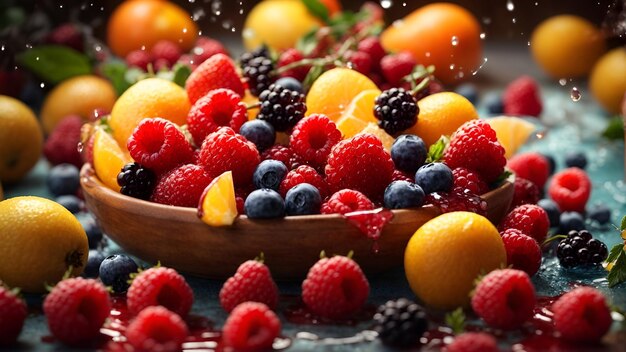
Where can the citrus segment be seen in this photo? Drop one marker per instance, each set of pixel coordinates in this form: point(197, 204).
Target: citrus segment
point(385, 138)
point(108, 159)
point(512, 132)
point(350, 126)
point(362, 106)
point(217, 204)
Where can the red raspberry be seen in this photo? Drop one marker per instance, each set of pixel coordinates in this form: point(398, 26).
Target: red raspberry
point(251, 326)
point(531, 166)
point(360, 163)
point(457, 201)
point(157, 329)
point(396, 66)
point(224, 150)
point(522, 251)
point(139, 58)
point(346, 201)
point(188, 60)
point(465, 179)
point(401, 176)
point(159, 145)
point(68, 35)
point(303, 174)
point(522, 97)
point(61, 145)
point(570, 189)
point(218, 71)
point(530, 219)
point(76, 309)
point(281, 153)
point(205, 48)
point(372, 47)
point(290, 56)
point(220, 107)
point(312, 139)
point(504, 299)
point(252, 282)
point(335, 288)
point(167, 51)
point(475, 146)
point(240, 201)
point(360, 61)
point(182, 186)
point(473, 342)
point(582, 315)
point(12, 315)
point(159, 286)
point(526, 192)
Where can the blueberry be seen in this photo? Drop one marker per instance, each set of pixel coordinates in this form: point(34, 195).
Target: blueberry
point(63, 179)
point(93, 231)
point(403, 194)
point(259, 132)
point(434, 177)
point(92, 269)
point(303, 199)
point(571, 221)
point(269, 174)
point(408, 153)
point(576, 159)
point(264, 203)
point(552, 209)
point(70, 202)
point(599, 213)
point(115, 271)
point(551, 162)
point(290, 83)
point(494, 104)
point(469, 91)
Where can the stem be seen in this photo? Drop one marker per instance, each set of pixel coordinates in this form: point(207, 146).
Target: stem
point(253, 106)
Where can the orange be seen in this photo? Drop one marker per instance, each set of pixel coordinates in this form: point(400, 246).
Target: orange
point(440, 34)
point(142, 23)
point(446, 255)
point(331, 93)
point(608, 80)
point(512, 132)
point(383, 136)
point(567, 46)
point(441, 114)
point(148, 98)
point(251, 100)
point(108, 158)
point(362, 106)
point(76, 96)
point(217, 204)
point(350, 126)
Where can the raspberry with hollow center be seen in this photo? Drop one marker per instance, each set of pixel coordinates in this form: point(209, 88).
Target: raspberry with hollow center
point(303, 174)
point(582, 315)
point(251, 326)
point(313, 138)
point(157, 329)
point(570, 189)
point(160, 286)
point(182, 186)
point(346, 201)
point(220, 107)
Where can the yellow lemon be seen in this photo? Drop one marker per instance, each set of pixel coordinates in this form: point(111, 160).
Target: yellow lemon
point(39, 241)
point(108, 158)
point(446, 255)
point(21, 139)
point(608, 80)
point(217, 204)
point(512, 132)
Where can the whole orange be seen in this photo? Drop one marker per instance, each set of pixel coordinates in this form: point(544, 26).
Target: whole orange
point(142, 23)
point(440, 34)
point(607, 81)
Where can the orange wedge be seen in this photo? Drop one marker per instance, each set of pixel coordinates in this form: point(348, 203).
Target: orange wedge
point(350, 126)
point(108, 158)
point(384, 137)
point(362, 106)
point(512, 132)
point(217, 204)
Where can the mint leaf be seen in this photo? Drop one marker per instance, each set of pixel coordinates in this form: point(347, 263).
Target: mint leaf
point(435, 152)
point(623, 225)
point(54, 63)
point(317, 9)
point(615, 252)
point(617, 274)
point(503, 177)
point(615, 128)
point(456, 320)
point(115, 71)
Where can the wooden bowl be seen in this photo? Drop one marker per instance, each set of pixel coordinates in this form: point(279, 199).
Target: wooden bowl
point(177, 238)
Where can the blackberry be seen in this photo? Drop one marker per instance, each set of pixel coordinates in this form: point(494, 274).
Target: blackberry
point(246, 57)
point(136, 181)
point(258, 72)
point(581, 249)
point(400, 323)
point(396, 109)
point(281, 107)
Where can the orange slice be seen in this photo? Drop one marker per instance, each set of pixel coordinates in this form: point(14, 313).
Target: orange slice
point(217, 204)
point(350, 126)
point(362, 106)
point(108, 158)
point(384, 137)
point(512, 132)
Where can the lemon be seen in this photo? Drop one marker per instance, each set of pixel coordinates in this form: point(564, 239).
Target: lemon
point(607, 82)
point(39, 241)
point(512, 132)
point(446, 255)
point(217, 204)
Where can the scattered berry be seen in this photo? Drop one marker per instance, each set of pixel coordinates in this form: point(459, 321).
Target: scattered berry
point(346, 201)
point(434, 177)
point(159, 286)
point(582, 315)
point(552, 210)
point(290, 83)
point(206, 48)
point(522, 97)
point(218, 71)
point(571, 221)
point(303, 174)
point(313, 138)
point(400, 323)
point(473, 342)
point(531, 166)
point(136, 181)
point(93, 231)
point(70, 202)
point(264, 203)
point(396, 110)
point(12, 315)
point(576, 159)
point(465, 179)
point(92, 268)
point(167, 51)
point(455, 201)
point(182, 186)
point(403, 194)
point(68, 35)
point(269, 174)
point(469, 91)
point(63, 179)
point(281, 107)
point(570, 189)
point(581, 249)
point(525, 192)
point(259, 132)
point(530, 219)
point(303, 199)
point(157, 329)
point(251, 283)
point(522, 251)
point(599, 213)
point(258, 72)
point(372, 47)
point(115, 271)
point(408, 153)
point(251, 326)
point(61, 144)
point(220, 107)
point(288, 57)
point(395, 66)
point(359, 61)
point(494, 104)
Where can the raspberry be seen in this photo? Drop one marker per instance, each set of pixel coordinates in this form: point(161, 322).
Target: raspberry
point(281, 107)
point(157, 329)
point(400, 323)
point(525, 192)
point(504, 298)
point(290, 56)
point(139, 58)
point(160, 65)
point(205, 48)
point(313, 138)
point(465, 179)
point(218, 71)
point(570, 189)
point(335, 288)
point(220, 107)
point(136, 181)
point(473, 342)
point(396, 66)
point(582, 315)
point(401, 176)
point(61, 145)
point(360, 163)
point(159, 145)
point(252, 282)
point(224, 150)
point(530, 219)
point(522, 97)
point(457, 201)
point(280, 153)
point(182, 186)
point(346, 201)
point(581, 249)
point(68, 35)
point(372, 47)
point(259, 73)
point(159, 286)
point(475, 146)
point(303, 174)
point(167, 51)
point(76, 309)
point(522, 251)
point(251, 326)
point(396, 110)
point(531, 166)
point(360, 61)
point(12, 315)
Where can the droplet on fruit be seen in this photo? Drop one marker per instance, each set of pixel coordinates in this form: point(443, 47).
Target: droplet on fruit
point(455, 40)
point(575, 94)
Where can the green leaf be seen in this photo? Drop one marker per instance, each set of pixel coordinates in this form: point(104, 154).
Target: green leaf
point(617, 274)
point(615, 252)
point(435, 152)
point(317, 9)
point(623, 225)
point(181, 73)
point(308, 42)
point(503, 177)
point(313, 74)
point(115, 71)
point(54, 63)
point(456, 320)
point(615, 128)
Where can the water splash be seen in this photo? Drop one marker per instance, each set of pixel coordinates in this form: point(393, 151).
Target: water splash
point(510, 6)
point(385, 4)
point(454, 40)
point(480, 67)
point(575, 94)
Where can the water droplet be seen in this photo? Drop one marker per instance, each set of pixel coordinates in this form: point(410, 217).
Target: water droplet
point(486, 20)
point(80, 146)
point(143, 47)
point(198, 14)
point(37, 58)
point(404, 4)
point(536, 3)
point(528, 43)
point(510, 6)
point(514, 20)
point(42, 85)
point(184, 30)
point(398, 23)
point(385, 4)
point(451, 66)
point(455, 40)
point(482, 35)
point(375, 247)
point(563, 82)
point(248, 33)
point(427, 54)
point(575, 94)
point(216, 7)
point(350, 65)
point(60, 6)
point(2, 47)
point(192, 1)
